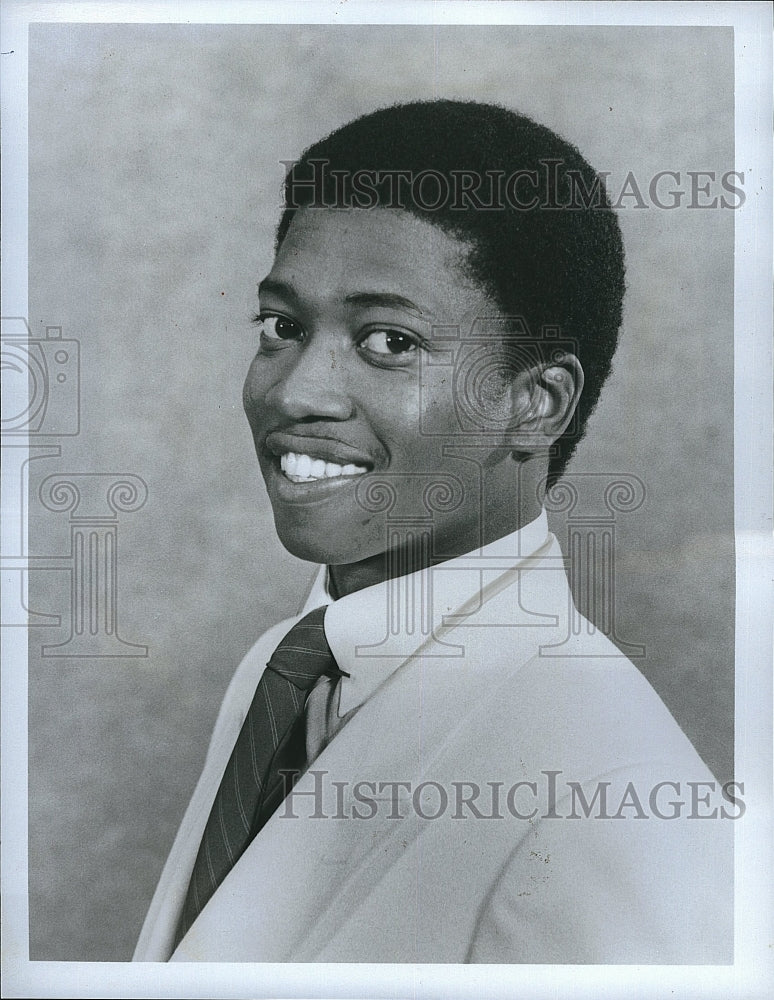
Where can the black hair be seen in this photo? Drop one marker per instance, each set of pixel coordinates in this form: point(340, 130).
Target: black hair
point(543, 240)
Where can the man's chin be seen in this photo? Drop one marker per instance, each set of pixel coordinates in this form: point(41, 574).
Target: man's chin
point(325, 545)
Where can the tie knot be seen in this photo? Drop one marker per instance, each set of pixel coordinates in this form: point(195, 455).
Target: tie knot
point(303, 656)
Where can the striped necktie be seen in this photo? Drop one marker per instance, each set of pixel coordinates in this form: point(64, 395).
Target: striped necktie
point(270, 744)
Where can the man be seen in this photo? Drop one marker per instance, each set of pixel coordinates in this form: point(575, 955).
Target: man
point(478, 781)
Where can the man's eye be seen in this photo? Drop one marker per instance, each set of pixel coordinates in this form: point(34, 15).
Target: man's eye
point(278, 328)
point(388, 342)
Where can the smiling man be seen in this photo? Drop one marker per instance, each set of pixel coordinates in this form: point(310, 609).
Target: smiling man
point(430, 763)
point(352, 317)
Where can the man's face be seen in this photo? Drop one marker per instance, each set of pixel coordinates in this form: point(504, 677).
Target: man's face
point(340, 395)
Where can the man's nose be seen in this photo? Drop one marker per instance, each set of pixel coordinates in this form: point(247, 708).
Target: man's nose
point(314, 383)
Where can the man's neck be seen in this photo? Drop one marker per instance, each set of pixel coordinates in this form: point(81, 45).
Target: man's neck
point(414, 554)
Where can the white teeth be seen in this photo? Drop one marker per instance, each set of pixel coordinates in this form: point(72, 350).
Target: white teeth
point(305, 469)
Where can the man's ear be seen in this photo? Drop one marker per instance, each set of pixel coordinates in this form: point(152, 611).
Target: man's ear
point(543, 400)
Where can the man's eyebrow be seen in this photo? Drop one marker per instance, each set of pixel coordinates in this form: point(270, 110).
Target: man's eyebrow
point(270, 285)
point(388, 299)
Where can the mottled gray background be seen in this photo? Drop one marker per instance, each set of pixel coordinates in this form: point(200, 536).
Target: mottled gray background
point(154, 189)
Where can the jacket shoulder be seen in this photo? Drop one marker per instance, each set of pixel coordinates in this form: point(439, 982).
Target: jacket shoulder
point(588, 705)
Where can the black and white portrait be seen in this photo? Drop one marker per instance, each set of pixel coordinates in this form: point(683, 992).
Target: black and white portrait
point(384, 517)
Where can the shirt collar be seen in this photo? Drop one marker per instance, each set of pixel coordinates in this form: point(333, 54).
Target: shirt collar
point(372, 631)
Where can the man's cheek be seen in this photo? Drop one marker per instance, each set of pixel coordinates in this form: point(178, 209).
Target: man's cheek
point(436, 414)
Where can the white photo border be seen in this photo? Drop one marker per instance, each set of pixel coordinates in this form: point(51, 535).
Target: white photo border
point(752, 974)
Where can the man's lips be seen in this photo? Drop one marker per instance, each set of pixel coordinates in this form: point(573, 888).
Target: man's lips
point(328, 449)
point(309, 460)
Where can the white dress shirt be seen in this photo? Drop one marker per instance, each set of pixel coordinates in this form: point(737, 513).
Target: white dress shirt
point(365, 629)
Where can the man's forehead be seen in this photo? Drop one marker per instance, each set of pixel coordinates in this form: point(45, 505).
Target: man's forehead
point(359, 255)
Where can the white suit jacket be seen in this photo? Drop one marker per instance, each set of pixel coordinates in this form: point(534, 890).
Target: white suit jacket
point(496, 692)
